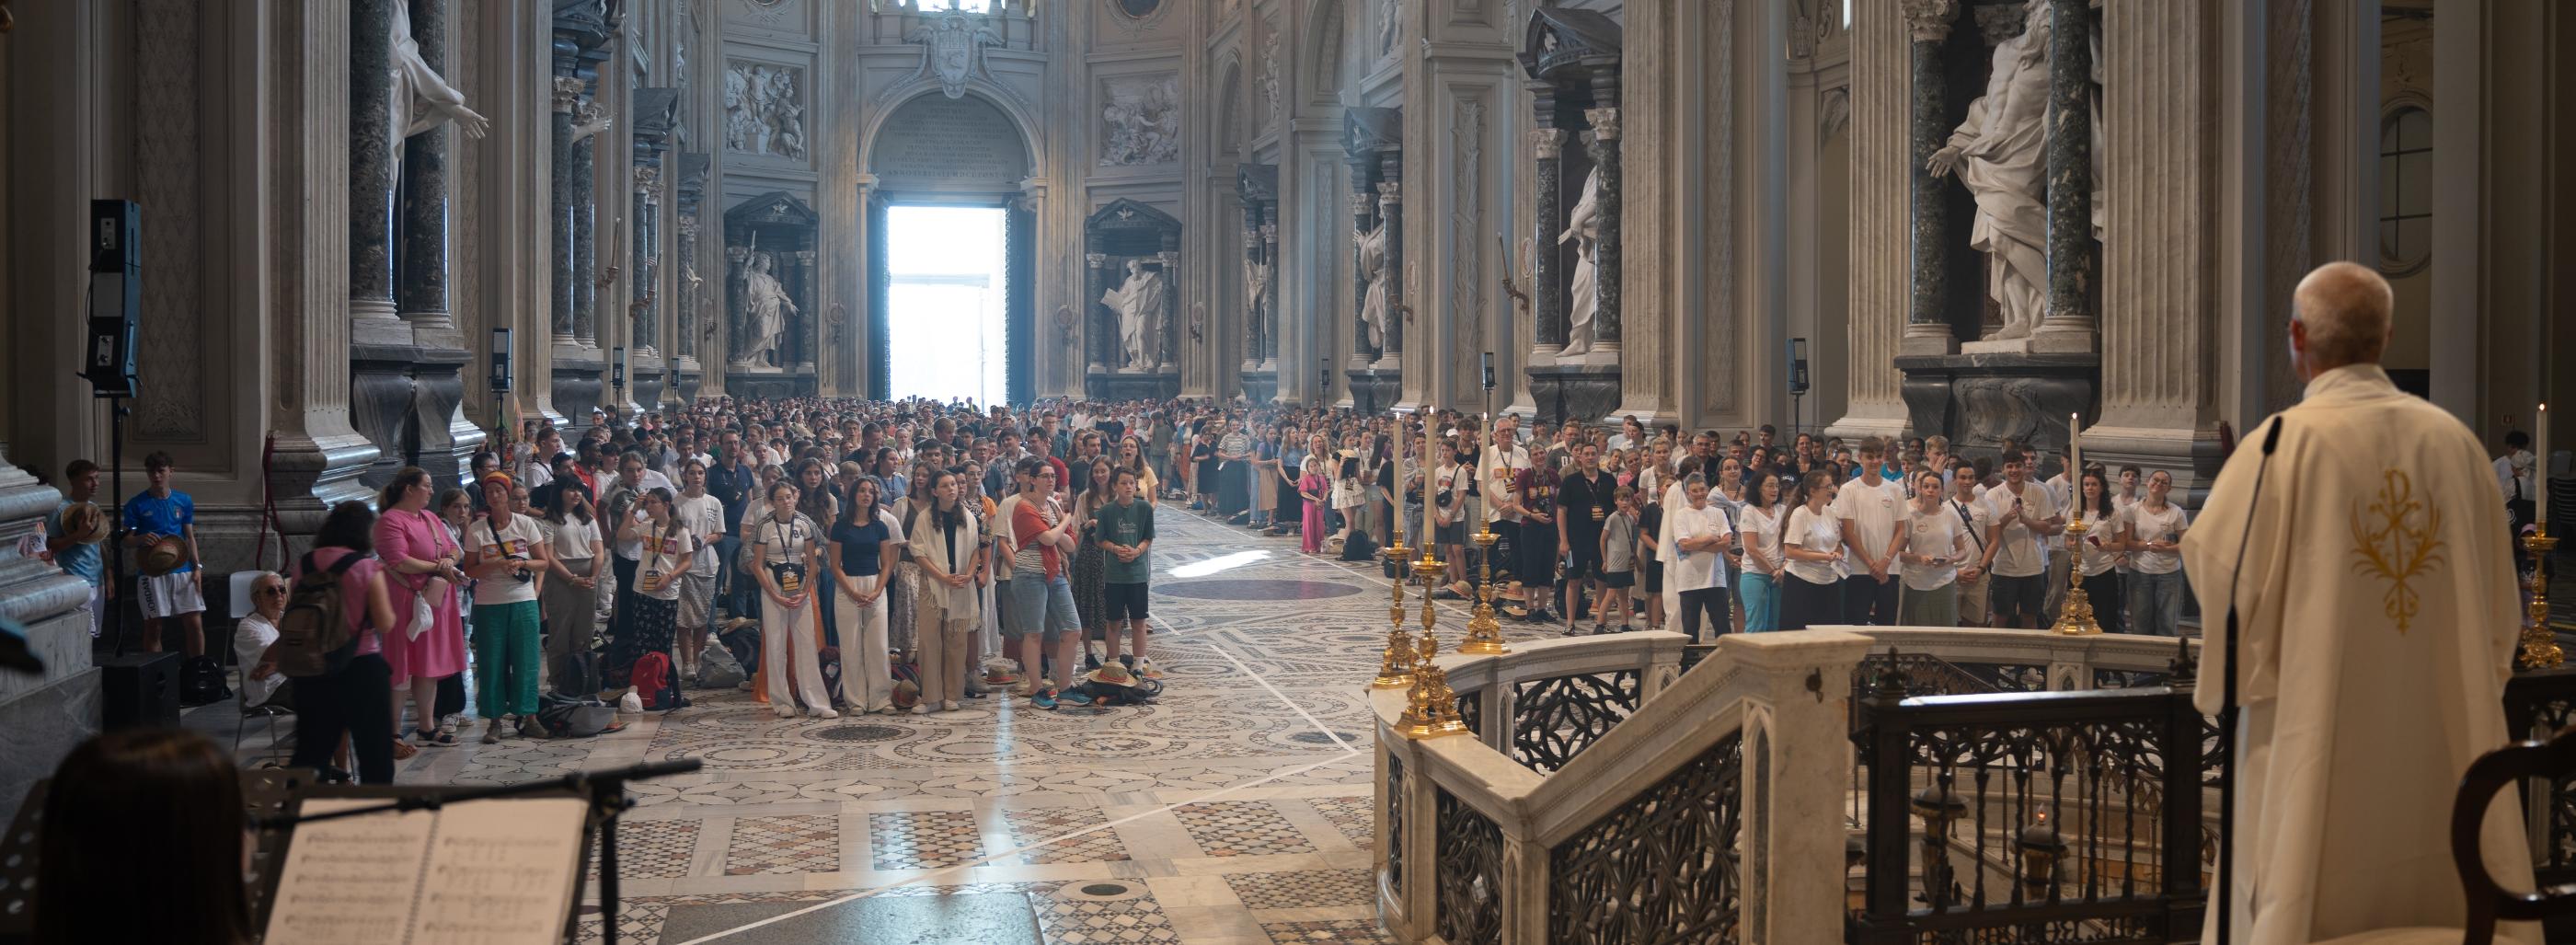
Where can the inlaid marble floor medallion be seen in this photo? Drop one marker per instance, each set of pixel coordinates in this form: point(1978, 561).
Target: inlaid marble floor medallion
point(1233, 811)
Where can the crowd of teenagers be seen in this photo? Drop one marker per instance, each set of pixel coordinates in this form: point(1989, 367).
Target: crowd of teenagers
point(1703, 532)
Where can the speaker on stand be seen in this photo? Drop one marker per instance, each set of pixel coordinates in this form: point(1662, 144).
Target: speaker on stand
point(1797, 384)
point(107, 360)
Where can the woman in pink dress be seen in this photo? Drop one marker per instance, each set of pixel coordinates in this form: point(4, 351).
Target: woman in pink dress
point(1312, 485)
point(420, 559)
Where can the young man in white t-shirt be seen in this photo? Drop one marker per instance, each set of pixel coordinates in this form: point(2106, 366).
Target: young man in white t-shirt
point(2024, 513)
point(2151, 531)
point(1872, 510)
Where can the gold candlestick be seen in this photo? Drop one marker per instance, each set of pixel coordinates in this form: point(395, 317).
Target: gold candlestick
point(2539, 643)
point(1484, 633)
point(2075, 618)
point(1428, 570)
point(1395, 666)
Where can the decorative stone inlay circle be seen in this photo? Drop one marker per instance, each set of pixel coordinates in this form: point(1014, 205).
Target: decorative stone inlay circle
point(859, 733)
point(1104, 889)
point(1256, 589)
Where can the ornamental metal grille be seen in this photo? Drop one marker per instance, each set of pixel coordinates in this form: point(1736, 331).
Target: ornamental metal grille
point(1471, 710)
point(2536, 704)
point(1395, 824)
point(1469, 883)
point(1556, 718)
point(1661, 869)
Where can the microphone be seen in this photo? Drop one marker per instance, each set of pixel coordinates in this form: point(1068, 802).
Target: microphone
point(2227, 700)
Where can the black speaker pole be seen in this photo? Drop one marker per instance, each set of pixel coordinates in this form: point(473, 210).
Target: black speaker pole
point(115, 557)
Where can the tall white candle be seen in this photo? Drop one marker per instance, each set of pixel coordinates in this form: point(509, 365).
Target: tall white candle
point(2075, 452)
point(1403, 443)
point(2540, 467)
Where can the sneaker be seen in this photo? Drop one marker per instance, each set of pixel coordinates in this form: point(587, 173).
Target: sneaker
point(1043, 698)
point(924, 708)
point(948, 706)
point(786, 712)
point(822, 712)
point(1024, 688)
point(1129, 659)
point(1076, 698)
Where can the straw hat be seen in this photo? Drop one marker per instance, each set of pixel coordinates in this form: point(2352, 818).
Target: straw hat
point(163, 556)
point(84, 523)
point(1112, 673)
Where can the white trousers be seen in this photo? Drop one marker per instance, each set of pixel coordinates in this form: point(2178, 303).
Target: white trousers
point(867, 683)
point(783, 629)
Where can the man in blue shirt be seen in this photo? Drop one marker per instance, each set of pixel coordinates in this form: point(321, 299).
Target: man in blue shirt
point(79, 558)
point(161, 512)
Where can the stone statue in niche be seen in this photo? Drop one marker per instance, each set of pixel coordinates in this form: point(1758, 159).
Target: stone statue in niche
point(1256, 297)
point(765, 307)
point(2001, 154)
point(423, 100)
point(1141, 123)
point(1583, 290)
point(1270, 77)
point(763, 111)
point(1373, 305)
point(1139, 304)
point(1390, 26)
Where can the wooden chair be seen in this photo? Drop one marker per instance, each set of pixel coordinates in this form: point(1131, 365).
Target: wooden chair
point(2489, 903)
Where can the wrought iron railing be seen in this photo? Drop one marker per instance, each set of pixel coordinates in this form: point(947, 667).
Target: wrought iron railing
point(1555, 718)
point(1470, 884)
point(2538, 703)
point(2043, 817)
point(1663, 867)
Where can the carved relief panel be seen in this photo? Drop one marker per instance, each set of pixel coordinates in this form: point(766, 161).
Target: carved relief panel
point(764, 109)
point(1140, 120)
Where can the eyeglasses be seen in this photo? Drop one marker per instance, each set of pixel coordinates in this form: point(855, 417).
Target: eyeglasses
point(273, 589)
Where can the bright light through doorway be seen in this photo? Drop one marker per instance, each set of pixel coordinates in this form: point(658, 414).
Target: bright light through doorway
point(944, 316)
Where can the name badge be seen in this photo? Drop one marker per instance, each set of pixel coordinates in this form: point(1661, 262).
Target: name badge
point(1599, 513)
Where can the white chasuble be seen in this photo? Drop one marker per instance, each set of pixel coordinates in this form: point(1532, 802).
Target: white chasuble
point(2379, 620)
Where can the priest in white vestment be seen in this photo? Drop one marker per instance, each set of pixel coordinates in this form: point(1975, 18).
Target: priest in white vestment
point(2378, 613)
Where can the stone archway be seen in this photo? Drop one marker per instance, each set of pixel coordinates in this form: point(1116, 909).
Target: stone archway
point(965, 150)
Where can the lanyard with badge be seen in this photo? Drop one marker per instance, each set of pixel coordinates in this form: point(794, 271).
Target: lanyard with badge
point(790, 574)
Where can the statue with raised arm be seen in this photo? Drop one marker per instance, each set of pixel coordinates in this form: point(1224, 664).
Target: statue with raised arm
point(1139, 303)
point(421, 99)
point(1374, 310)
point(1256, 303)
point(766, 306)
point(2000, 153)
point(1583, 290)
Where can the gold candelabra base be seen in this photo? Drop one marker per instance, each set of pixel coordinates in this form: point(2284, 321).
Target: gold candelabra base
point(2075, 617)
point(1395, 666)
point(1431, 710)
point(2539, 643)
point(1484, 632)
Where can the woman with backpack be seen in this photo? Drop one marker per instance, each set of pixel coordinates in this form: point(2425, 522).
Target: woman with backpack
point(338, 581)
point(669, 549)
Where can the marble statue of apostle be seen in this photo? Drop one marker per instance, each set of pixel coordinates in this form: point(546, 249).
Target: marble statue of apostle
point(1583, 291)
point(421, 99)
point(1374, 305)
point(1139, 303)
point(2001, 154)
point(765, 310)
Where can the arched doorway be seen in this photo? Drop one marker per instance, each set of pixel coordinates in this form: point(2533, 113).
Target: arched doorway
point(951, 253)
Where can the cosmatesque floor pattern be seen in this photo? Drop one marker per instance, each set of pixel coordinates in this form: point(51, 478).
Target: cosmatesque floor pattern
point(1234, 811)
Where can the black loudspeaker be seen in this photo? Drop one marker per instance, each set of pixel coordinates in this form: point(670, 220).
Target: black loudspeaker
point(139, 689)
point(1797, 366)
point(115, 295)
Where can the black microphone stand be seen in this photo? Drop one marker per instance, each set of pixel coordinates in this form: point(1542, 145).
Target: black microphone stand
point(605, 789)
point(2227, 707)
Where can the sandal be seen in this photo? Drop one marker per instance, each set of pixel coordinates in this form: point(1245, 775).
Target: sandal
point(440, 738)
point(405, 751)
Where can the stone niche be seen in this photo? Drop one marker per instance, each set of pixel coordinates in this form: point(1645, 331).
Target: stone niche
point(769, 297)
point(1132, 255)
point(1256, 186)
point(1572, 60)
point(1373, 145)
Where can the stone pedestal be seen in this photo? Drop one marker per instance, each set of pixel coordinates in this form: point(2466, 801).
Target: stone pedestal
point(1161, 383)
point(1981, 400)
point(1375, 390)
point(407, 400)
point(1583, 393)
point(42, 716)
point(579, 384)
point(768, 383)
point(1260, 386)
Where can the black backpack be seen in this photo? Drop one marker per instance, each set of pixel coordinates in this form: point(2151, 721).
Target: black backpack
point(201, 682)
point(313, 638)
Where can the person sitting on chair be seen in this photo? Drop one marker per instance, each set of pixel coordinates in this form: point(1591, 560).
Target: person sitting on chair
point(262, 685)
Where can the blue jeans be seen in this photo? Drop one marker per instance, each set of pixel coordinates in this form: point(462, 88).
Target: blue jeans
point(736, 591)
point(1761, 602)
point(2155, 603)
point(1039, 606)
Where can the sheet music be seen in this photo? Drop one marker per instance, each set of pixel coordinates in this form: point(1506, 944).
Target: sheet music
point(484, 872)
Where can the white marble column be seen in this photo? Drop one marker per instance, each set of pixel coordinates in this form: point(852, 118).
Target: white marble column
point(1880, 293)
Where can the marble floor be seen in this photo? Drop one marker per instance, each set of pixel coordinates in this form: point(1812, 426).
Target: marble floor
point(1235, 811)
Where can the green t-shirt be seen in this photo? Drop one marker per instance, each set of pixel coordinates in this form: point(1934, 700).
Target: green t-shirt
point(1130, 524)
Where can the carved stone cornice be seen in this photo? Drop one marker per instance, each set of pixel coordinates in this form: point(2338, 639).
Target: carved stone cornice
point(1929, 20)
point(1390, 192)
point(1605, 122)
point(1095, 260)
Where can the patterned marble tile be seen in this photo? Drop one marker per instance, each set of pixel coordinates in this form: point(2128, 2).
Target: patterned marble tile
point(1087, 914)
point(1241, 828)
point(652, 849)
point(1356, 817)
point(1096, 842)
point(790, 844)
point(1303, 889)
point(1338, 931)
point(637, 921)
point(925, 839)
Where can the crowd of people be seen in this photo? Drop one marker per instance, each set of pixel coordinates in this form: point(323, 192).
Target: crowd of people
point(1598, 529)
point(833, 555)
